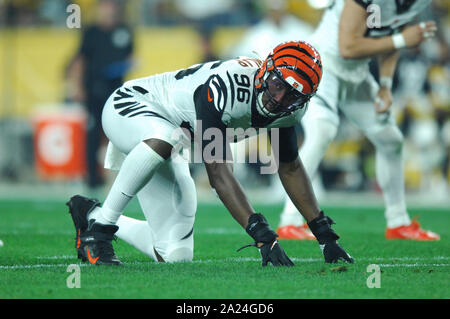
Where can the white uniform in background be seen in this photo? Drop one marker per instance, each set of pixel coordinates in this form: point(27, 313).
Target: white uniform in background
point(348, 86)
point(259, 40)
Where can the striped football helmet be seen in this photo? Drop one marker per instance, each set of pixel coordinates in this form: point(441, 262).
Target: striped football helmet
point(288, 78)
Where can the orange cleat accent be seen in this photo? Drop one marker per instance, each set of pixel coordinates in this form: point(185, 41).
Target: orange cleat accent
point(411, 232)
point(295, 232)
point(78, 238)
point(91, 260)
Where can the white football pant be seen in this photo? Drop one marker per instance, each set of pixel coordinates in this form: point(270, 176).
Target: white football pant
point(168, 199)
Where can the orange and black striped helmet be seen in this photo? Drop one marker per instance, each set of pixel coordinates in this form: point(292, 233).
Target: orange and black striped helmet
point(295, 68)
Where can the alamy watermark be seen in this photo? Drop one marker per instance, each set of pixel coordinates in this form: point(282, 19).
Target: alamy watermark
point(374, 280)
point(73, 20)
point(374, 16)
point(74, 279)
point(211, 146)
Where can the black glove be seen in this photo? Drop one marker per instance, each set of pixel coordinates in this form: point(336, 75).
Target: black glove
point(266, 241)
point(327, 238)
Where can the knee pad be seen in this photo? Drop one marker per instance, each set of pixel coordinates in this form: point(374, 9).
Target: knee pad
point(178, 244)
point(389, 139)
point(180, 254)
point(181, 247)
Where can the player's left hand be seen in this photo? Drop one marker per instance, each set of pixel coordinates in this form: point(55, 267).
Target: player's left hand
point(333, 252)
point(266, 241)
point(383, 100)
point(327, 238)
point(273, 253)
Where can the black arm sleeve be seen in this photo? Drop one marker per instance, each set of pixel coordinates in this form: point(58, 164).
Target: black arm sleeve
point(211, 131)
point(284, 146)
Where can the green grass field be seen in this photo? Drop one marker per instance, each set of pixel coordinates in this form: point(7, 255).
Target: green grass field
point(38, 248)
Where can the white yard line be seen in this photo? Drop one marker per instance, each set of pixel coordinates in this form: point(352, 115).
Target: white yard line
point(55, 257)
point(295, 259)
point(250, 259)
point(414, 265)
point(12, 267)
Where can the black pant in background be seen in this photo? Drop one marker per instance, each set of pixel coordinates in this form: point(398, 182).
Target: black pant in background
point(94, 137)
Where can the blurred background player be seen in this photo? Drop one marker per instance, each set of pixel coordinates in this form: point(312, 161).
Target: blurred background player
point(205, 18)
point(102, 61)
point(347, 37)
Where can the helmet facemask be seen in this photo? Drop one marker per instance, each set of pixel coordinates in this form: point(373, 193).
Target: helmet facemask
point(276, 97)
point(288, 78)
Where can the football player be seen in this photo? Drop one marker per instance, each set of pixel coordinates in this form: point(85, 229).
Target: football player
point(350, 33)
point(140, 119)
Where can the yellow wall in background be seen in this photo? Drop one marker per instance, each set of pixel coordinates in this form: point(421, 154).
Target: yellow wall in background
point(32, 61)
point(31, 67)
point(160, 50)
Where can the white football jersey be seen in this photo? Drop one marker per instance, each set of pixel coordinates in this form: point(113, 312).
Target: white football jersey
point(218, 91)
point(393, 14)
point(266, 35)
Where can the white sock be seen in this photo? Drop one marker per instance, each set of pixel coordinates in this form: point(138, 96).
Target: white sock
point(137, 169)
point(138, 234)
point(396, 216)
point(390, 177)
point(318, 135)
point(290, 215)
point(97, 214)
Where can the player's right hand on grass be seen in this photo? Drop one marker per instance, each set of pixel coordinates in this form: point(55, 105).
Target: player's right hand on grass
point(327, 238)
point(266, 241)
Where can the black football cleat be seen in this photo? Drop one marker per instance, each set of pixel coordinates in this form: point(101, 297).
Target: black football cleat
point(96, 244)
point(79, 209)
